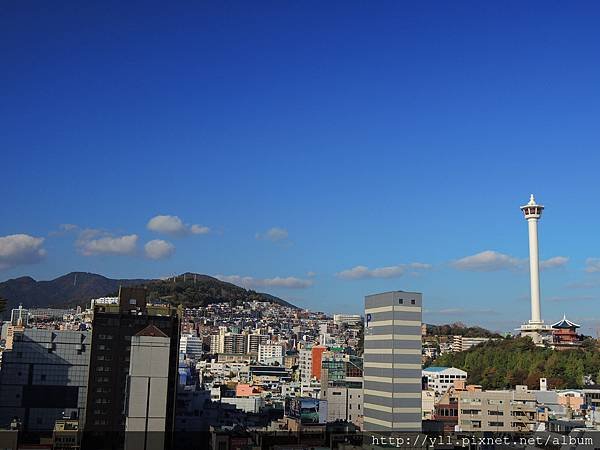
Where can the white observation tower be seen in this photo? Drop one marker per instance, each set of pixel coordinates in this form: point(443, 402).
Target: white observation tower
point(535, 328)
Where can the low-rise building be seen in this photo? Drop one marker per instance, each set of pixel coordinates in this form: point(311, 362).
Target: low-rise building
point(440, 379)
point(349, 319)
point(463, 343)
point(499, 411)
point(343, 403)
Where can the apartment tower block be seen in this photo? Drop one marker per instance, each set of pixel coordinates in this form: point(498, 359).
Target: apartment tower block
point(392, 362)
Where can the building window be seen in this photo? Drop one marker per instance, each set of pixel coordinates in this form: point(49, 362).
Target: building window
point(412, 302)
point(400, 301)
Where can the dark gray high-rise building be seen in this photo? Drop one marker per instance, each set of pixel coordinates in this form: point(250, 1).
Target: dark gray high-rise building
point(113, 327)
point(392, 362)
point(44, 378)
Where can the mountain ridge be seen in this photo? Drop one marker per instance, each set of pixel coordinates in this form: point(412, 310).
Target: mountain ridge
point(77, 288)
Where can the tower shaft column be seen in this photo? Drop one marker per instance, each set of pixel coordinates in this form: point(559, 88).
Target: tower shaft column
point(534, 271)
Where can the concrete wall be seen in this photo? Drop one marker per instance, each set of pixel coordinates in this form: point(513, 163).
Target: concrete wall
point(147, 392)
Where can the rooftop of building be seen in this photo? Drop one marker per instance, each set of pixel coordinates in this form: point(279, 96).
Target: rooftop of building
point(436, 369)
point(565, 323)
point(393, 292)
point(66, 425)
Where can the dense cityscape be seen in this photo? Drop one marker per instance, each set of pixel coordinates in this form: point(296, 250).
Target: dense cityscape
point(134, 372)
point(299, 225)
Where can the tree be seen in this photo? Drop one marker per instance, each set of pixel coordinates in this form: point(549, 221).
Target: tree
point(519, 361)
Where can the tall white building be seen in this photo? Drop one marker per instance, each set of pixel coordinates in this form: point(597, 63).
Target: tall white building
point(19, 317)
point(305, 366)
point(215, 344)
point(269, 353)
point(254, 340)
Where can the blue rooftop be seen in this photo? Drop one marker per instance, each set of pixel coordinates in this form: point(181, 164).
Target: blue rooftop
point(436, 369)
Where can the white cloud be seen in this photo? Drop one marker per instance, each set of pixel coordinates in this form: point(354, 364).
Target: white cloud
point(174, 226)
point(458, 311)
point(554, 262)
point(96, 242)
point(488, 261)
point(570, 298)
point(158, 249)
point(311, 274)
point(584, 284)
point(592, 265)
point(273, 234)
point(68, 227)
point(199, 229)
point(277, 282)
point(17, 249)
point(362, 272)
point(63, 229)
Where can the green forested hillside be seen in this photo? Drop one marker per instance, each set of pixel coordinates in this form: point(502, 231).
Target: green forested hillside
point(507, 362)
point(459, 329)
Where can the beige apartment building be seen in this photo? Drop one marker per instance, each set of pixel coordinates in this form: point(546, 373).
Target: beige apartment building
point(498, 411)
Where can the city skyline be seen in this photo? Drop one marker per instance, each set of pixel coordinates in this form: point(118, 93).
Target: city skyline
point(317, 157)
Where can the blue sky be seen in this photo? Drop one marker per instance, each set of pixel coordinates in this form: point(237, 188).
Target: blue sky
point(305, 139)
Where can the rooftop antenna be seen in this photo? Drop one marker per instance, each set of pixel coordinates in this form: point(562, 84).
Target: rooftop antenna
point(75, 280)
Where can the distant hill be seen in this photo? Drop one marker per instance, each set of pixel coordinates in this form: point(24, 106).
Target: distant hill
point(193, 290)
point(77, 288)
point(72, 288)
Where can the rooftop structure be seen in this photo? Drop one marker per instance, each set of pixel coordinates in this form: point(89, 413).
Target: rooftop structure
point(564, 334)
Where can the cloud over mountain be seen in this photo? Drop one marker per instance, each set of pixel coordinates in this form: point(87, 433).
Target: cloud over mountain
point(96, 242)
point(158, 249)
point(276, 282)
